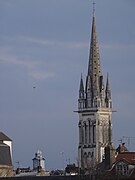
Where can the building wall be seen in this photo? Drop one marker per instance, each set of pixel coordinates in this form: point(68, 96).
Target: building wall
point(9, 143)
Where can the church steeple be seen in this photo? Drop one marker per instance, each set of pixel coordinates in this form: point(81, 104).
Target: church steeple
point(94, 109)
point(94, 71)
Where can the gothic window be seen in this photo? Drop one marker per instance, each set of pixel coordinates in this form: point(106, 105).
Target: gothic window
point(85, 160)
point(85, 129)
point(94, 133)
point(107, 134)
point(79, 105)
point(82, 134)
point(103, 134)
point(89, 132)
point(92, 154)
point(89, 154)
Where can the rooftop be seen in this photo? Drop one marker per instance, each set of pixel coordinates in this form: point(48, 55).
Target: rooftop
point(3, 137)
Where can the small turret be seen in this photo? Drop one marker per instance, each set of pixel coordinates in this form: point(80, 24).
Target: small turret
point(89, 92)
point(102, 95)
point(81, 90)
point(81, 100)
point(108, 99)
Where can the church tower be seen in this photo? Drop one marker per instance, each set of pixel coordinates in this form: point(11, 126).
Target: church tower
point(94, 109)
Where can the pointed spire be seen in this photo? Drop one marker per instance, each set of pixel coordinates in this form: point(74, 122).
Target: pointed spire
point(94, 66)
point(81, 90)
point(108, 90)
point(108, 98)
point(94, 57)
point(81, 100)
point(89, 92)
point(102, 91)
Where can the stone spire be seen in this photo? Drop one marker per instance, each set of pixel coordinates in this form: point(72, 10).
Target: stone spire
point(94, 82)
point(108, 98)
point(94, 58)
point(81, 90)
point(81, 100)
point(108, 90)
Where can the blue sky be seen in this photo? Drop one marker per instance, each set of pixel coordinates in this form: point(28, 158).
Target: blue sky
point(45, 43)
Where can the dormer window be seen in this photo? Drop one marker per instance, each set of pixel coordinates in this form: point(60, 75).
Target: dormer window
point(122, 169)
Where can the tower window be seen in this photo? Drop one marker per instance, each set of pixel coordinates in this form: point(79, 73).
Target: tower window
point(92, 154)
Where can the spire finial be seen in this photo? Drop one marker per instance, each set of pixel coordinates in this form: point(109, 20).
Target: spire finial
point(94, 8)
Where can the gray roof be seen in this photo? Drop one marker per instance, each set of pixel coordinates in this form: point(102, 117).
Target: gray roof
point(3, 137)
point(5, 156)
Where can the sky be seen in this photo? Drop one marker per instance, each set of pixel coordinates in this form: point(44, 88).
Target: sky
point(45, 44)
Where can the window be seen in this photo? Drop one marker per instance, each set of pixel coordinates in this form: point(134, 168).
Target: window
point(85, 126)
point(122, 169)
point(119, 169)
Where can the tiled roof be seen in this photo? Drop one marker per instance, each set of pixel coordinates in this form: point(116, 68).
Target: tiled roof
point(127, 156)
point(3, 137)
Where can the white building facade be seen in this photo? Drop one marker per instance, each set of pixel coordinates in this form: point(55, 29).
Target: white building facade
point(38, 161)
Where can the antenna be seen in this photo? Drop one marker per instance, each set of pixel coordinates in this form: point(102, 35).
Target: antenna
point(120, 140)
point(128, 140)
